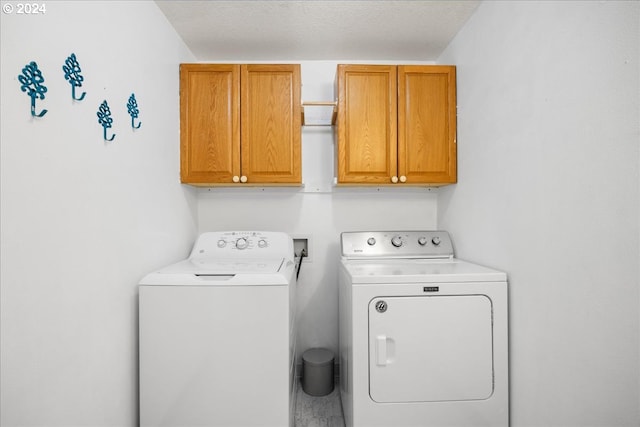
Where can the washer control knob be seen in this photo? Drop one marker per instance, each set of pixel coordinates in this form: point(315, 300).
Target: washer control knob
point(222, 243)
point(242, 243)
point(371, 241)
point(435, 240)
point(262, 243)
point(396, 241)
point(422, 241)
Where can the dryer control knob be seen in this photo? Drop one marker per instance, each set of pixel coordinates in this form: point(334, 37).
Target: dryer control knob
point(435, 240)
point(222, 243)
point(422, 241)
point(262, 243)
point(242, 243)
point(371, 241)
point(396, 241)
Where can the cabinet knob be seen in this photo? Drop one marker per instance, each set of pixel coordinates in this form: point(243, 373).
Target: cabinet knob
point(403, 178)
point(236, 178)
point(243, 178)
point(394, 179)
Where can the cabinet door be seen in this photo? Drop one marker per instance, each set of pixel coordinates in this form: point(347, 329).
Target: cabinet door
point(271, 123)
point(209, 123)
point(427, 124)
point(367, 115)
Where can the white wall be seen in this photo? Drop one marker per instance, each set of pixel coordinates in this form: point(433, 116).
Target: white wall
point(82, 219)
point(548, 145)
point(549, 190)
point(319, 211)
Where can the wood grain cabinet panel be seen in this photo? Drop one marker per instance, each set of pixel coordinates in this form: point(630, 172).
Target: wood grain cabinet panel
point(396, 124)
point(366, 124)
point(240, 124)
point(209, 123)
point(271, 123)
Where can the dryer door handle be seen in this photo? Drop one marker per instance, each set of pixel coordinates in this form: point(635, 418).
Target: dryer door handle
point(385, 349)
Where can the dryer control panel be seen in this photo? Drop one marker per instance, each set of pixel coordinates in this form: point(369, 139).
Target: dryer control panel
point(396, 244)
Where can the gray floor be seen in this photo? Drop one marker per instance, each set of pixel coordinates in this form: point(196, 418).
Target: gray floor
point(322, 411)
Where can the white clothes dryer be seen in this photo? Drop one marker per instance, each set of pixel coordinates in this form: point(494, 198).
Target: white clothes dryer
point(423, 335)
point(217, 336)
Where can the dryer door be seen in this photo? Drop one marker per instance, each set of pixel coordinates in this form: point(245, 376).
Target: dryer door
point(430, 348)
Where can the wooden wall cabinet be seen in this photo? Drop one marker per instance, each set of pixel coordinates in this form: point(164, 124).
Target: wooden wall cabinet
point(240, 124)
point(396, 124)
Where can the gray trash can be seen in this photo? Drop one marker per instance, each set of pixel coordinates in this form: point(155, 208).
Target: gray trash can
point(317, 371)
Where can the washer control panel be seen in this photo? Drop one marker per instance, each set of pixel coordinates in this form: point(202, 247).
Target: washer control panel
point(396, 244)
point(256, 244)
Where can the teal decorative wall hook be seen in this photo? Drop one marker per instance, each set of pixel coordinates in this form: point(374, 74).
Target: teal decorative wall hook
point(104, 118)
point(72, 71)
point(132, 108)
point(31, 81)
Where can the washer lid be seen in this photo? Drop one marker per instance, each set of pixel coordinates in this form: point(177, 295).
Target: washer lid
point(232, 272)
point(419, 270)
point(208, 266)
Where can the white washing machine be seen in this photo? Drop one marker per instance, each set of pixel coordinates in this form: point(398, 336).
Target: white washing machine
point(423, 335)
point(217, 338)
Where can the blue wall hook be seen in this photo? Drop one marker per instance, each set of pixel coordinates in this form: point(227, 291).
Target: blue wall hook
point(72, 71)
point(132, 108)
point(31, 81)
point(104, 118)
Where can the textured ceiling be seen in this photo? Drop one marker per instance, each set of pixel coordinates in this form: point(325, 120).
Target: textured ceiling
point(317, 30)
